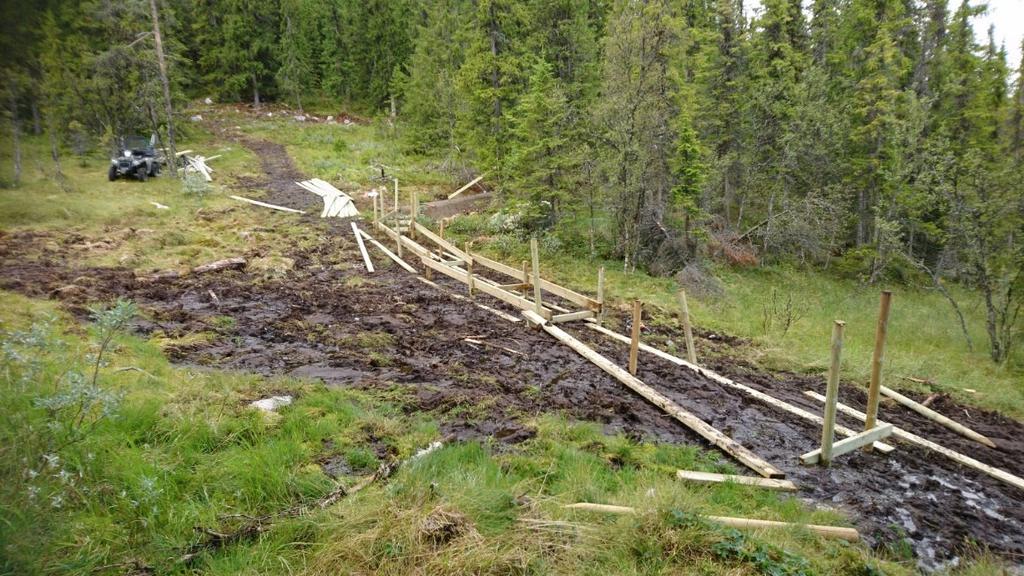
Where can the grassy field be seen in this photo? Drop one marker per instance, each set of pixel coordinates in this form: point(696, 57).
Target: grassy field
point(114, 476)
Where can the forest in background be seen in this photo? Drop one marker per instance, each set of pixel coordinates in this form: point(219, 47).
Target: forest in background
point(876, 138)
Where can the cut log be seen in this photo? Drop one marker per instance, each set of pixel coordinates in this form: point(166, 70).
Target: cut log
point(226, 264)
point(362, 248)
point(839, 532)
point(266, 205)
point(850, 444)
point(753, 392)
point(936, 417)
point(710, 477)
point(705, 430)
point(923, 442)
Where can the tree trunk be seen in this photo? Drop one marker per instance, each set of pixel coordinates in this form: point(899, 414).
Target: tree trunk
point(55, 155)
point(255, 92)
point(172, 155)
point(37, 125)
point(15, 129)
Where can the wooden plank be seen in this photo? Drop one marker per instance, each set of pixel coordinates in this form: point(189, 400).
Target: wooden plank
point(753, 392)
point(710, 477)
point(925, 443)
point(691, 352)
point(865, 438)
point(535, 256)
point(271, 206)
point(516, 300)
point(634, 340)
point(389, 253)
point(547, 285)
point(705, 430)
point(467, 186)
point(496, 312)
point(449, 271)
point(936, 417)
point(440, 241)
point(571, 316)
point(832, 393)
point(362, 248)
point(839, 532)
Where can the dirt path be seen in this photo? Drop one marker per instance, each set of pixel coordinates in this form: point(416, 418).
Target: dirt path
point(330, 320)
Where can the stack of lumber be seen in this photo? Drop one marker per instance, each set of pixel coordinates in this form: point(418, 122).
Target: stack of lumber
point(337, 204)
point(197, 164)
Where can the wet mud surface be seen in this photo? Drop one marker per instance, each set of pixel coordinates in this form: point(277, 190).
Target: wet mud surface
point(329, 320)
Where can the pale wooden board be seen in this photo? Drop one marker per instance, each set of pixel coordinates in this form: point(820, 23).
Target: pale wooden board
point(850, 444)
point(712, 478)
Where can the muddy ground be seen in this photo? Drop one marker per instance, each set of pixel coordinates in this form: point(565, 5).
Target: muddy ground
point(330, 320)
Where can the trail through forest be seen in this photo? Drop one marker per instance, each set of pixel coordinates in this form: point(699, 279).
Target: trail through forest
point(328, 319)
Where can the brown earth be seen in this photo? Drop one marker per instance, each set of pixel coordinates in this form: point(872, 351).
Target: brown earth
point(330, 320)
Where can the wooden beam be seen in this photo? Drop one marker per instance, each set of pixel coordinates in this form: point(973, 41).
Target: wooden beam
point(832, 393)
point(467, 186)
point(461, 255)
point(752, 392)
point(571, 316)
point(705, 430)
point(362, 248)
point(547, 285)
point(600, 294)
point(925, 443)
point(876, 360)
point(271, 206)
point(388, 253)
point(838, 532)
point(936, 417)
point(516, 300)
point(712, 478)
point(865, 438)
point(495, 311)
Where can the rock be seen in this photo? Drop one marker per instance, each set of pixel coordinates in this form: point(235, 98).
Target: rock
point(271, 404)
point(269, 114)
point(196, 118)
point(208, 100)
point(330, 118)
point(300, 118)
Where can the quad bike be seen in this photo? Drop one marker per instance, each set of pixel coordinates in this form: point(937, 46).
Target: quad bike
point(136, 158)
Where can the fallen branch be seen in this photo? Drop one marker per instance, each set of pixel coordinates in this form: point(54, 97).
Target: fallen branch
point(839, 532)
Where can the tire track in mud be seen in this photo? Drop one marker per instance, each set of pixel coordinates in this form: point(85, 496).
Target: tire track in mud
point(314, 323)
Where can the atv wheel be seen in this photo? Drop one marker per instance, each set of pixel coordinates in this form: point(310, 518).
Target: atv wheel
point(112, 173)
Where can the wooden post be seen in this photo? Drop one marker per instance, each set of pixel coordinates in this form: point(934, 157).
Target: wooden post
point(691, 353)
point(375, 211)
point(600, 294)
point(441, 232)
point(396, 210)
point(172, 154)
point(526, 279)
point(535, 254)
point(469, 270)
point(832, 394)
point(412, 215)
point(876, 361)
point(634, 343)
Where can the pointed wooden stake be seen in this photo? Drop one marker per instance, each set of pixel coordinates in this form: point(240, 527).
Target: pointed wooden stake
point(691, 353)
point(535, 255)
point(634, 344)
point(832, 394)
point(876, 361)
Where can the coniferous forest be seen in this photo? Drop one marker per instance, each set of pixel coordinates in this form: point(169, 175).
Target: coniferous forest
point(879, 139)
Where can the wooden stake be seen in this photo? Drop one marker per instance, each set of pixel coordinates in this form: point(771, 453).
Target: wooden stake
point(839, 532)
point(535, 255)
point(705, 430)
point(412, 215)
point(634, 344)
point(375, 212)
point(396, 210)
point(936, 417)
point(691, 353)
point(832, 393)
point(441, 231)
point(712, 478)
point(469, 270)
point(526, 278)
point(876, 360)
point(600, 294)
point(915, 439)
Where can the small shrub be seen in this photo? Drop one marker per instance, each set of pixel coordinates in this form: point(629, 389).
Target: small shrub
point(194, 184)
